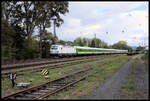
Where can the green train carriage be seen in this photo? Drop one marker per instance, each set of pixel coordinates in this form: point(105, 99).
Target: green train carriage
point(89, 50)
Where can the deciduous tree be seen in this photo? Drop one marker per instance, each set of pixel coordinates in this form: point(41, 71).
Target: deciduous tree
point(121, 45)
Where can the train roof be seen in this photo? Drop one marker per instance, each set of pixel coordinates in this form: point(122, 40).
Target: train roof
point(61, 45)
point(79, 47)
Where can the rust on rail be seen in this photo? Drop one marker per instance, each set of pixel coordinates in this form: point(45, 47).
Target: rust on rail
point(40, 86)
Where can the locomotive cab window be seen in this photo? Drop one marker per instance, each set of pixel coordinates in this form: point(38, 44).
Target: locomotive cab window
point(54, 47)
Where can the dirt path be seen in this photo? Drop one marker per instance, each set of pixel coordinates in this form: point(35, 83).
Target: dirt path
point(141, 81)
point(111, 87)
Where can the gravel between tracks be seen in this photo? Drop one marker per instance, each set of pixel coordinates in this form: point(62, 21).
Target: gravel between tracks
point(111, 87)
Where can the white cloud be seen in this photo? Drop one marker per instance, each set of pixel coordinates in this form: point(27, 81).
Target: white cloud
point(138, 36)
point(74, 29)
point(136, 20)
point(73, 22)
point(117, 18)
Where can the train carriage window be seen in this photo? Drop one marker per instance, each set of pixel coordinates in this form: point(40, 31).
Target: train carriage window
point(93, 50)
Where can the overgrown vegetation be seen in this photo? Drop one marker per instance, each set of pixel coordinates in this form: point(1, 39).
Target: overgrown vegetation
point(84, 88)
point(145, 58)
point(38, 78)
point(135, 63)
point(128, 90)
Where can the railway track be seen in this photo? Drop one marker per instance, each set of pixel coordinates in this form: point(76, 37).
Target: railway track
point(23, 65)
point(21, 72)
point(51, 87)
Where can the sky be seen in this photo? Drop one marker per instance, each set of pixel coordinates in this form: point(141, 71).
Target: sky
point(110, 21)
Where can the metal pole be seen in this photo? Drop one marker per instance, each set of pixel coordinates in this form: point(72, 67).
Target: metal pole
point(54, 31)
point(95, 40)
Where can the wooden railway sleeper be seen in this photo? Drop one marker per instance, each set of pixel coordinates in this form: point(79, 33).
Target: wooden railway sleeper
point(37, 93)
point(59, 84)
point(53, 86)
point(30, 95)
point(49, 88)
point(43, 90)
point(23, 98)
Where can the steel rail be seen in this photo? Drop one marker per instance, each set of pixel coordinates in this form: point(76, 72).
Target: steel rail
point(56, 90)
point(36, 88)
point(6, 75)
point(31, 64)
point(8, 67)
point(51, 67)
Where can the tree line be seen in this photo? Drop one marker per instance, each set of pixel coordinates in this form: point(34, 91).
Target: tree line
point(21, 19)
point(96, 42)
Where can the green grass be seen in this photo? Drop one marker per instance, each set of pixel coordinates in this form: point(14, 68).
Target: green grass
point(135, 63)
point(145, 58)
point(128, 88)
point(34, 67)
point(38, 78)
point(35, 77)
point(84, 88)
